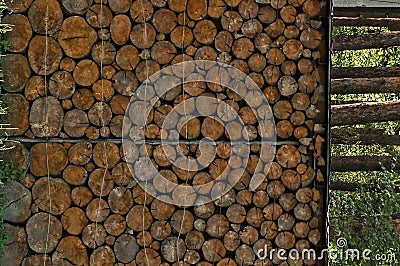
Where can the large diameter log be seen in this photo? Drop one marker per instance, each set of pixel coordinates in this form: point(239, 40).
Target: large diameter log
point(363, 113)
point(19, 67)
point(363, 163)
point(17, 117)
point(366, 41)
point(363, 137)
point(364, 72)
point(20, 34)
point(15, 247)
point(365, 85)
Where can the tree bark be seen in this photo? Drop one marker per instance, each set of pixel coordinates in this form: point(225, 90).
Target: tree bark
point(363, 113)
point(391, 23)
point(363, 163)
point(365, 85)
point(366, 41)
point(364, 72)
point(363, 137)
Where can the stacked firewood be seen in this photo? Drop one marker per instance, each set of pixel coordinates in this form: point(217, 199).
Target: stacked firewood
point(77, 64)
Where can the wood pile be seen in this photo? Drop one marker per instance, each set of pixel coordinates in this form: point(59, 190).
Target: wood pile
point(74, 74)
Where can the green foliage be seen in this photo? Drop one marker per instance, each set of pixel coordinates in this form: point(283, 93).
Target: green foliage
point(364, 219)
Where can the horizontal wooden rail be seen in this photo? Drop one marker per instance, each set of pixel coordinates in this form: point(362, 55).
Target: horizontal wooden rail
point(365, 85)
point(365, 72)
point(364, 113)
point(363, 163)
point(366, 41)
point(391, 23)
point(363, 137)
point(351, 186)
point(366, 12)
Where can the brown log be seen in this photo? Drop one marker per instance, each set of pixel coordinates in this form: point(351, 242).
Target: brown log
point(364, 72)
point(83, 99)
point(363, 137)
point(75, 123)
point(103, 90)
point(75, 175)
point(182, 36)
point(121, 6)
point(86, 72)
point(97, 210)
point(248, 235)
point(103, 53)
point(100, 182)
point(244, 255)
point(106, 255)
point(100, 114)
point(272, 74)
point(391, 23)
point(21, 33)
point(39, 46)
point(56, 155)
point(126, 248)
point(267, 14)
point(76, 37)
point(301, 229)
point(231, 21)
point(38, 238)
point(139, 218)
point(35, 88)
point(94, 236)
point(43, 124)
point(161, 210)
point(269, 230)
point(140, 39)
point(77, 7)
point(285, 240)
point(140, 196)
point(173, 249)
point(365, 85)
point(367, 41)
point(288, 201)
point(164, 20)
point(311, 38)
point(275, 56)
point(120, 200)
point(276, 28)
point(115, 224)
point(231, 241)
point(255, 217)
point(74, 221)
point(215, 8)
point(80, 153)
point(17, 201)
point(120, 28)
point(242, 48)
point(361, 113)
point(194, 240)
point(34, 260)
point(163, 52)
point(288, 14)
point(72, 249)
point(18, 6)
point(286, 222)
point(292, 49)
point(302, 212)
point(275, 189)
point(81, 196)
point(44, 14)
point(248, 9)
point(99, 16)
point(62, 85)
point(160, 230)
point(17, 121)
point(213, 250)
point(19, 67)
point(272, 211)
point(291, 179)
point(144, 70)
point(217, 226)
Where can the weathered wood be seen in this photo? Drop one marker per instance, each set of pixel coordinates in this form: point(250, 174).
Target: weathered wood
point(21, 33)
point(391, 23)
point(363, 137)
point(100, 182)
point(77, 7)
point(362, 113)
point(15, 246)
point(71, 249)
point(37, 232)
point(364, 72)
point(99, 16)
point(45, 13)
point(103, 255)
point(362, 163)
point(46, 117)
point(366, 41)
point(86, 72)
point(76, 36)
point(126, 248)
point(365, 85)
point(19, 67)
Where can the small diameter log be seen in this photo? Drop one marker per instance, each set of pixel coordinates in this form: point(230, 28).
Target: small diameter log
point(71, 249)
point(94, 235)
point(57, 157)
point(120, 29)
point(75, 175)
point(37, 48)
point(75, 123)
point(100, 182)
point(83, 99)
point(391, 23)
point(46, 117)
point(39, 239)
point(74, 221)
point(81, 196)
point(362, 113)
point(86, 72)
point(364, 72)
point(126, 248)
point(366, 41)
point(365, 85)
